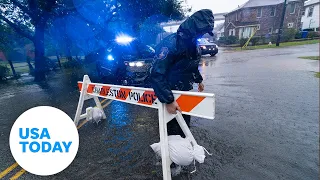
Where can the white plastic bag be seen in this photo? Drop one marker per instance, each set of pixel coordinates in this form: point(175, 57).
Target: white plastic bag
point(181, 151)
point(94, 114)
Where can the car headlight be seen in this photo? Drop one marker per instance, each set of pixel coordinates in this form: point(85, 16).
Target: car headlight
point(203, 47)
point(110, 57)
point(139, 64)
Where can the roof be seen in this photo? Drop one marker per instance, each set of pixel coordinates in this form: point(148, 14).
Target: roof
point(259, 3)
point(218, 27)
point(311, 2)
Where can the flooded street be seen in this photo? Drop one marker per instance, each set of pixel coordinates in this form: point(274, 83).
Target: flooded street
point(266, 125)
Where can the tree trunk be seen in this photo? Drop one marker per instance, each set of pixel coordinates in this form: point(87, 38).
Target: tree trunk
point(12, 68)
point(58, 58)
point(68, 44)
point(39, 52)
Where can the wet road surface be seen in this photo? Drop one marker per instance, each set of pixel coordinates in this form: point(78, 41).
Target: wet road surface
point(266, 125)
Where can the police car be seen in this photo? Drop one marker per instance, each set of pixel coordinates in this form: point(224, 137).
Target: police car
point(125, 61)
point(207, 47)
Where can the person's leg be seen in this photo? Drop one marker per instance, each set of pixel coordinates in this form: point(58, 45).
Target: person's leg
point(174, 128)
point(187, 118)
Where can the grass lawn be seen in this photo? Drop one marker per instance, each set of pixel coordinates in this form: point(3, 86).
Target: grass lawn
point(317, 74)
point(310, 57)
point(285, 44)
point(19, 67)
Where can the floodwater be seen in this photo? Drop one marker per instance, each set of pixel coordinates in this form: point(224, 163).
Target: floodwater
point(266, 125)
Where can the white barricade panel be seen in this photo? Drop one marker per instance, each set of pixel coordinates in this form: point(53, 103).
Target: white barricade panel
point(191, 103)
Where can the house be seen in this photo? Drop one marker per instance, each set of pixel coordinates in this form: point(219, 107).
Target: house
point(219, 31)
point(310, 15)
point(265, 15)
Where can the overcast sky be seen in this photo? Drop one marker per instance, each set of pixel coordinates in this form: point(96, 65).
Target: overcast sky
point(217, 6)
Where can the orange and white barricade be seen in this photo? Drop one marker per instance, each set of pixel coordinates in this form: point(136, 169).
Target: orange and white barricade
point(191, 103)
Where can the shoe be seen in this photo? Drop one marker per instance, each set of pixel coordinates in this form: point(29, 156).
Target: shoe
point(175, 170)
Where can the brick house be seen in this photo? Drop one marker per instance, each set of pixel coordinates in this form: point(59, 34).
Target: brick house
point(263, 14)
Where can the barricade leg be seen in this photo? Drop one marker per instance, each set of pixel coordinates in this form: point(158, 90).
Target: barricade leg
point(164, 144)
point(84, 96)
point(182, 123)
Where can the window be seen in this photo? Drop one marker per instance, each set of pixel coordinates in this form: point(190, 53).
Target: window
point(259, 12)
point(237, 16)
point(258, 27)
point(292, 8)
point(232, 32)
point(310, 11)
point(303, 13)
point(290, 25)
point(273, 11)
point(270, 30)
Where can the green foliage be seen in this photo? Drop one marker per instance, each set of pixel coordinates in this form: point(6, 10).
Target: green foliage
point(4, 70)
point(243, 41)
point(284, 44)
point(273, 39)
point(313, 34)
point(298, 35)
point(254, 40)
point(288, 35)
point(310, 57)
point(73, 64)
point(228, 40)
point(232, 40)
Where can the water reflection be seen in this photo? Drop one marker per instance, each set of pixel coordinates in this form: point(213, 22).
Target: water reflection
point(119, 135)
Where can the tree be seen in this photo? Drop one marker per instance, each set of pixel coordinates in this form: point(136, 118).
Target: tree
point(30, 18)
point(6, 44)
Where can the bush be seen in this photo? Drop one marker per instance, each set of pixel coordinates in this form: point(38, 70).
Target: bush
point(313, 34)
point(273, 39)
point(74, 63)
point(254, 40)
point(243, 41)
point(288, 35)
point(298, 35)
point(231, 40)
point(263, 40)
point(222, 40)
point(4, 70)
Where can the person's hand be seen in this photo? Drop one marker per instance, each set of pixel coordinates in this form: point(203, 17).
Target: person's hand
point(200, 87)
point(173, 107)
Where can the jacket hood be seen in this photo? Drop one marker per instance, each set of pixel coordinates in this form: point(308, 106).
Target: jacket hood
point(198, 24)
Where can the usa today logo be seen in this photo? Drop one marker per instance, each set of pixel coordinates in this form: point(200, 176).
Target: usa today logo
point(44, 140)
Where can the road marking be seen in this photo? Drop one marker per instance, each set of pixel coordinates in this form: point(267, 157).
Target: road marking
point(18, 174)
point(22, 171)
point(103, 101)
point(83, 123)
point(106, 104)
point(9, 169)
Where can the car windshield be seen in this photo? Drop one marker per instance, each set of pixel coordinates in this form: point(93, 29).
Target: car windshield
point(136, 48)
point(203, 41)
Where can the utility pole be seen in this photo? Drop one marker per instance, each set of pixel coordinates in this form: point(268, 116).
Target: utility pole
point(281, 22)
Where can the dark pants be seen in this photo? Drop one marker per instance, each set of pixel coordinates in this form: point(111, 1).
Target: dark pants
point(174, 128)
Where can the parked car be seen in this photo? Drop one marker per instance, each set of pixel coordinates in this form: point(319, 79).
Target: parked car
point(207, 47)
point(125, 61)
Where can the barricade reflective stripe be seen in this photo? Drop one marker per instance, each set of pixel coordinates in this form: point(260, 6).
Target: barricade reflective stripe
point(191, 103)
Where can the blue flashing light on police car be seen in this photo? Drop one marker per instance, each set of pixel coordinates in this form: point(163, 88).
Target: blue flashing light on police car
point(110, 57)
point(124, 39)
